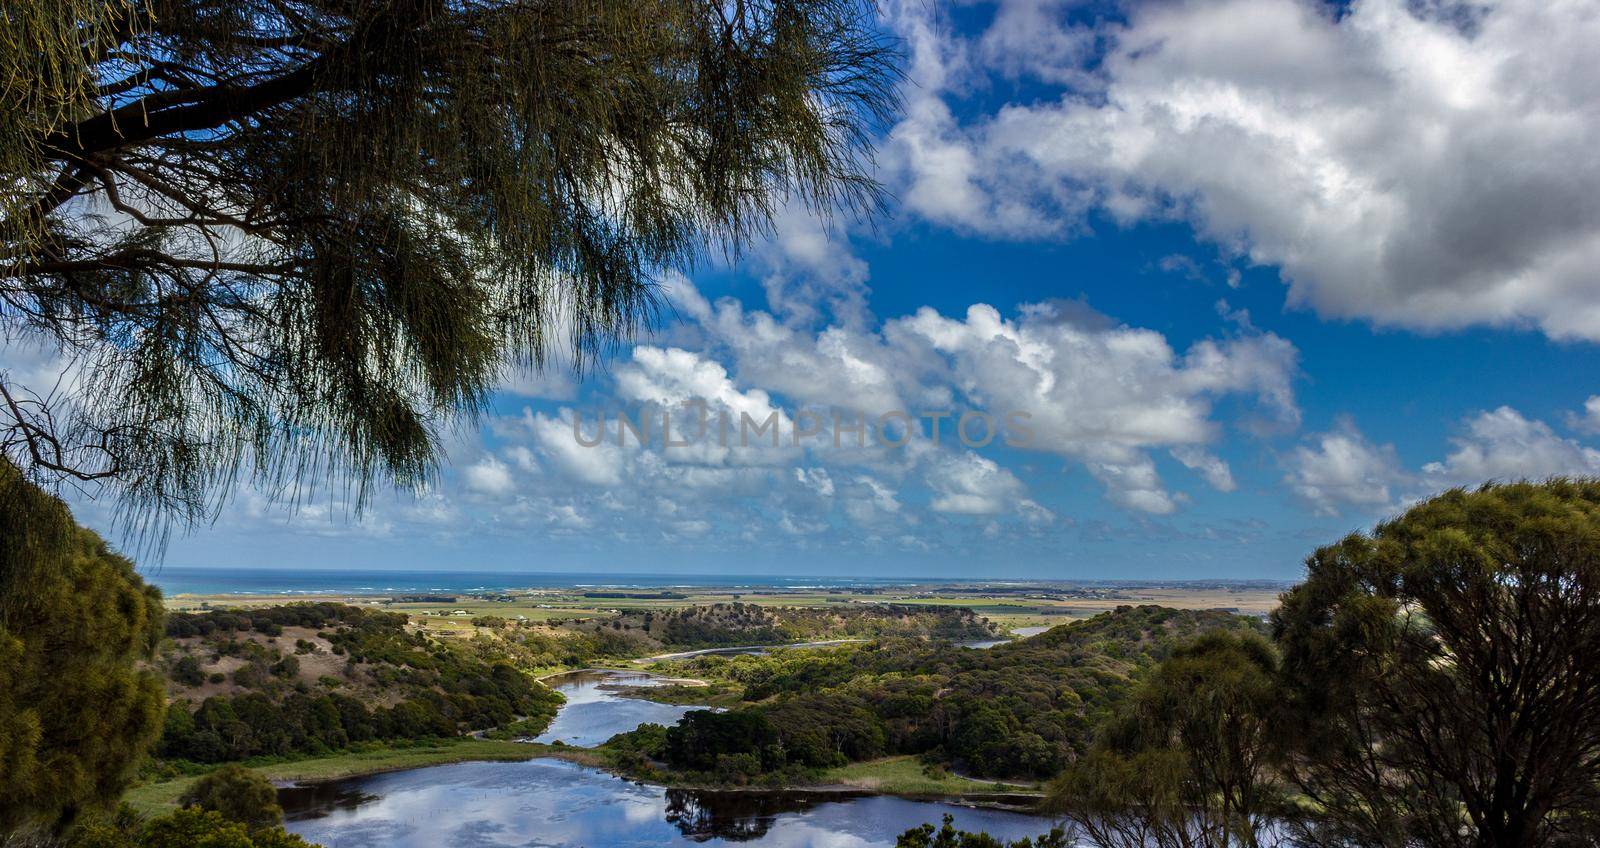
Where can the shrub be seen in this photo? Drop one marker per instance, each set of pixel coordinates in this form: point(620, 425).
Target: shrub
point(187, 671)
point(237, 793)
point(187, 828)
point(286, 668)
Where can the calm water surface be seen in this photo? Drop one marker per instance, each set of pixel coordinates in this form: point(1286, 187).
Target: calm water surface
point(596, 709)
point(757, 650)
point(556, 804)
point(561, 805)
point(1019, 633)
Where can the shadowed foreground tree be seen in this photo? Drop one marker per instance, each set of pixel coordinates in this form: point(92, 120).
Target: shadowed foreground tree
point(1190, 760)
point(292, 239)
point(1443, 672)
point(76, 713)
point(186, 828)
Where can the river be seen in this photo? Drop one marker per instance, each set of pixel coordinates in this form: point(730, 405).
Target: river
point(596, 709)
point(562, 805)
point(1017, 633)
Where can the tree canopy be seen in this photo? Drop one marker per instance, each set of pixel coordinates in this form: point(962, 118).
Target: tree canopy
point(1441, 672)
point(1190, 759)
point(293, 239)
point(77, 714)
point(1432, 683)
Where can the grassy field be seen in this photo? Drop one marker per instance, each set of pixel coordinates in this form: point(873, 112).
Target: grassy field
point(905, 776)
point(156, 798)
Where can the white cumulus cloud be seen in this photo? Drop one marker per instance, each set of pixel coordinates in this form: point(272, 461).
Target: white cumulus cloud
point(1588, 420)
point(968, 484)
point(1424, 165)
point(1502, 444)
point(1342, 468)
point(488, 476)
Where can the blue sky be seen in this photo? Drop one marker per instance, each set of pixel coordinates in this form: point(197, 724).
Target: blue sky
point(1259, 272)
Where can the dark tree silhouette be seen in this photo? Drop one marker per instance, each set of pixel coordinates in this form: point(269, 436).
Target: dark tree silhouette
point(1190, 759)
point(1442, 670)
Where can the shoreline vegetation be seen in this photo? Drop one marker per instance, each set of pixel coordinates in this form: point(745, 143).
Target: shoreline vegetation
point(714, 677)
point(162, 796)
point(899, 776)
point(662, 679)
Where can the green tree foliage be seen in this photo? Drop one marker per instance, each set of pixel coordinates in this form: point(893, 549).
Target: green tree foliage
point(293, 239)
point(427, 689)
point(1018, 710)
point(1442, 671)
point(718, 625)
point(701, 737)
point(633, 748)
point(270, 621)
point(77, 713)
point(187, 828)
point(828, 730)
point(187, 671)
point(1190, 760)
point(239, 795)
point(947, 836)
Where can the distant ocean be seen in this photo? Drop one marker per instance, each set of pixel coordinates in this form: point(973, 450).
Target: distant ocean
point(175, 580)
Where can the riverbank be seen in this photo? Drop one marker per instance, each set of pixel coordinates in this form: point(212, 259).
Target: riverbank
point(663, 680)
point(596, 694)
point(162, 797)
point(899, 776)
point(549, 802)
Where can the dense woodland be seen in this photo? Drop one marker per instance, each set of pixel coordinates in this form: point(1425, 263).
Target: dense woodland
point(313, 678)
point(1431, 684)
point(1022, 709)
point(309, 678)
